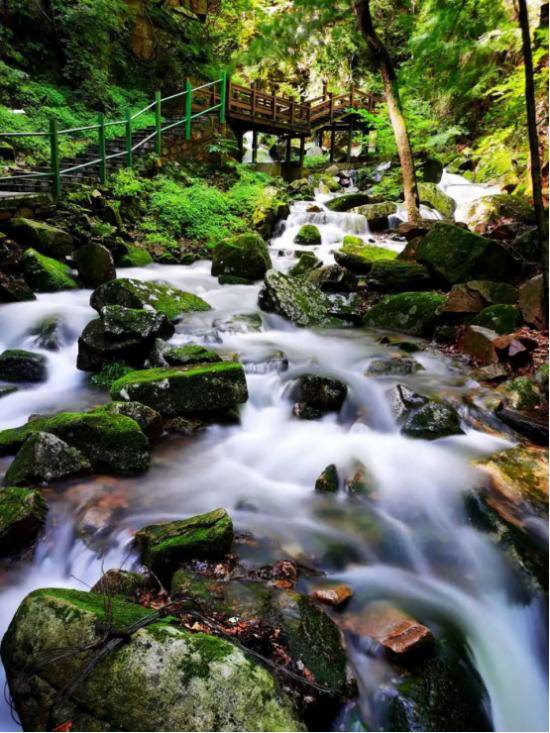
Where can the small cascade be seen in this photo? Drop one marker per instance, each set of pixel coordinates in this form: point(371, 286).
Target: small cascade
point(464, 192)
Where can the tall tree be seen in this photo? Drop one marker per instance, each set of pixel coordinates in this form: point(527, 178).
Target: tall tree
point(384, 64)
point(530, 103)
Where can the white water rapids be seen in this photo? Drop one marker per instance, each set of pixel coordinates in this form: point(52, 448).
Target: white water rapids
point(264, 470)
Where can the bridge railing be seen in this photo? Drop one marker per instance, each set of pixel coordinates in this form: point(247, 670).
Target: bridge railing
point(195, 102)
point(248, 103)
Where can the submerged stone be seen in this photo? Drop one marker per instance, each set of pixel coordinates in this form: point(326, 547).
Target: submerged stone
point(244, 256)
point(18, 365)
point(42, 458)
point(295, 299)
point(22, 514)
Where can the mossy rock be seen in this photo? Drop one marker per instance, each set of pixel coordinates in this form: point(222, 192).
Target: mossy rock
point(500, 318)
point(307, 262)
point(149, 420)
point(46, 275)
point(328, 481)
point(541, 378)
point(456, 255)
point(164, 547)
point(359, 257)
point(177, 391)
point(112, 443)
point(14, 289)
point(18, 365)
point(22, 514)
point(392, 367)
point(295, 299)
point(431, 421)
point(133, 256)
point(489, 210)
point(97, 349)
point(308, 234)
point(121, 322)
point(95, 264)
point(136, 294)
point(322, 393)
point(47, 239)
point(377, 215)
point(42, 458)
point(245, 256)
point(348, 201)
point(396, 276)
point(333, 279)
point(431, 195)
point(521, 393)
point(162, 678)
point(189, 354)
point(495, 293)
point(413, 313)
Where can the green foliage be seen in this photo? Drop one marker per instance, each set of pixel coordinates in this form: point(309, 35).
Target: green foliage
point(109, 374)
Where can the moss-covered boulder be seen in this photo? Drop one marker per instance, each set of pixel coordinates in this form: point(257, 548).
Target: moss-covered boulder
point(162, 677)
point(333, 279)
point(293, 298)
point(95, 264)
point(473, 296)
point(321, 393)
point(18, 365)
point(431, 421)
point(307, 262)
point(137, 294)
point(22, 514)
point(348, 201)
point(500, 318)
point(97, 349)
point(44, 274)
point(42, 458)
point(431, 195)
point(392, 367)
point(308, 234)
point(396, 276)
point(244, 256)
point(358, 257)
point(133, 256)
point(484, 213)
point(189, 354)
point(164, 547)
point(149, 420)
point(413, 313)
point(177, 391)
point(121, 322)
point(328, 481)
point(456, 255)
point(111, 443)
point(14, 289)
point(377, 215)
point(47, 239)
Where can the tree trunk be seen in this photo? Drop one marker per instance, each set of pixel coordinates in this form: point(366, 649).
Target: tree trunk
point(536, 177)
point(384, 63)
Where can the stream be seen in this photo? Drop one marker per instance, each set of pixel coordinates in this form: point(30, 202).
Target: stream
point(433, 564)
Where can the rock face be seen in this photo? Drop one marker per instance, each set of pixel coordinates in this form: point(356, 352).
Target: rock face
point(17, 365)
point(22, 514)
point(164, 547)
point(377, 214)
point(245, 256)
point(299, 301)
point(111, 443)
point(431, 195)
point(309, 234)
point(358, 257)
point(45, 238)
point(395, 276)
point(42, 458)
point(136, 294)
point(348, 201)
point(203, 683)
point(44, 274)
point(95, 264)
point(177, 391)
point(413, 313)
point(431, 421)
point(456, 255)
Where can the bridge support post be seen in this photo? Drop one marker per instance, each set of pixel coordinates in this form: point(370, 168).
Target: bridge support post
point(288, 149)
point(302, 150)
point(255, 146)
point(332, 142)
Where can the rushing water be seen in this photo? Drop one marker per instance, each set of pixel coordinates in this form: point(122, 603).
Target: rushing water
point(263, 471)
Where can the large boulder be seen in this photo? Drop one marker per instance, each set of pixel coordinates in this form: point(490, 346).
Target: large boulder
point(308, 234)
point(377, 215)
point(121, 322)
point(96, 348)
point(348, 201)
point(42, 458)
point(18, 365)
point(164, 547)
point(501, 318)
point(95, 264)
point(295, 299)
point(47, 239)
point(174, 391)
point(413, 313)
point(486, 212)
point(358, 256)
point(456, 255)
point(137, 294)
point(320, 393)
point(333, 279)
point(22, 514)
point(14, 289)
point(474, 296)
point(161, 678)
point(245, 256)
point(395, 276)
point(531, 301)
point(111, 443)
point(44, 274)
point(431, 195)
point(431, 421)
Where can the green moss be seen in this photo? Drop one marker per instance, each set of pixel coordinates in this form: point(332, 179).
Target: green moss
point(521, 393)
point(22, 513)
point(307, 262)
point(394, 276)
point(358, 256)
point(108, 374)
point(47, 239)
point(328, 480)
point(46, 275)
point(500, 318)
point(145, 376)
point(190, 354)
point(308, 234)
point(244, 256)
point(295, 299)
point(433, 196)
point(347, 201)
point(135, 257)
point(412, 313)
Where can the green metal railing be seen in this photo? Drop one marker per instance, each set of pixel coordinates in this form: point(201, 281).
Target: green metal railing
point(56, 171)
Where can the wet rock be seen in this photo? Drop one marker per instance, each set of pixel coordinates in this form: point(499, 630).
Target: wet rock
point(245, 256)
point(14, 289)
point(175, 391)
point(333, 279)
point(358, 257)
point(395, 366)
point(43, 458)
point(360, 483)
point(307, 262)
point(22, 514)
point(308, 234)
point(149, 420)
point(121, 322)
point(431, 195)
point(499, 318)
point(299, 301)
point(377, 215)
point(321, 393)
point(303, 411)
point(112, 443)
point(47, 239)
point(334, 595)
point(46, 275)
point(162, 678)
point(456, 255)
point(189, 354)
point(431, 170)
point(395, 276)
point(328, 480)
point(95, 264)
point(123, 583)
point(531, 301)
point(49, 333)
point(480, 344)
point(164, 547)
point(432, 421)
point(239, 323)
point(136, 294)
point(348, 201)
point(521, 393)
point(18, 365)
point(403, 400)
point(97, 349)
point(413, 313)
